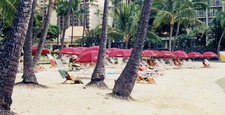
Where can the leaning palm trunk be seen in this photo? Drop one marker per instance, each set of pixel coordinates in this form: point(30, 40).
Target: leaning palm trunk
point(175, 38)
point(71, 43)
point(66, 25)
point(170, 38)
point(28, 69)
point(84, 22)
point(218, 47)
point(10, 53)
point(43, 33)
point(98, 76)
point(125, 83)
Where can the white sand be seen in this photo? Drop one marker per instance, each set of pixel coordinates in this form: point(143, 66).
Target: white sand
point(179, 92)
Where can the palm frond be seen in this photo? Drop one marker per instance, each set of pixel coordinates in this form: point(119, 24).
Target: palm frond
point(163, 17)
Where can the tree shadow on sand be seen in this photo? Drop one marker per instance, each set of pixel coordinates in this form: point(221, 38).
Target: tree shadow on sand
point(30, 85)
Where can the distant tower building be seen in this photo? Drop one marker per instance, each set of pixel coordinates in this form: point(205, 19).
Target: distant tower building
point(91, 18)
point(207, 15)
point(43, 7)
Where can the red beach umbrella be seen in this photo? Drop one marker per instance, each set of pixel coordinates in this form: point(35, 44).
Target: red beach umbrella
point(209, 54)
point(88, 56)
point(120, 53)
point(43, 52)
point(91, 48)
point(180, 54)
point(81, 48)
point(194, 55)
point(112, 49)
point(70, 50)
point(147, 53)
point(166, 54)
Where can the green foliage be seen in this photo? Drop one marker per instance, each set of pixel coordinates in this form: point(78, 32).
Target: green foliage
point(152, 38)
point(172, 11)
point(126, 20)
point(62, 7)
point(216, 28)
point(7, 11)
point(37, 21)
point(53, 32)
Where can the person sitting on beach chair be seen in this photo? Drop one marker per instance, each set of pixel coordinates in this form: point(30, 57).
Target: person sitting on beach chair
point(177, 63)
point(149, 80)
point(205, 63)
point(68, 77)
point(140, 78)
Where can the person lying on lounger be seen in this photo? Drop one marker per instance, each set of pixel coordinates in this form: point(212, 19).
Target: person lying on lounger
point(205, 63)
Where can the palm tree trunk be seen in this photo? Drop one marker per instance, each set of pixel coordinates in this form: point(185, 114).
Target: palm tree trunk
point(72, 31)
point(10, 53)
point(109, 43)
point(177, 32)
point(28, 69)
point(115, 3)
point(43, 33)
point(170, 39)
point(98, 75)
point(125, 83)
point(66, 25)
point(126, 40)
point(35, 34)
point(84, 26)
point(84, 23)
point(218, 47)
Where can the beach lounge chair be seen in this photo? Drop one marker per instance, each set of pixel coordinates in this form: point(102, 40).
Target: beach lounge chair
point(68, 77)
point(39, 67)
point(51, 60)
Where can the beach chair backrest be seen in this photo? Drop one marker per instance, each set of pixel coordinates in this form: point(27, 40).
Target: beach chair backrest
point(59, 63)
point(50, 56)
point(63, 73)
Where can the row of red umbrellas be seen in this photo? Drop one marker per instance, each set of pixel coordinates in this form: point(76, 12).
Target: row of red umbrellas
point(177, 54)
point(90, 54)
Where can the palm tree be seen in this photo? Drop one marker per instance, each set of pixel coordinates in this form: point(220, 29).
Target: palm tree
point(125, 83)
point(220, 17)
point(66, 24)
point(188, 17)
point(28, 68)
point(125, 22)
point(98, 75)
point(10, 53)
point(43, 33)
point(171, 12)
point(75, 12)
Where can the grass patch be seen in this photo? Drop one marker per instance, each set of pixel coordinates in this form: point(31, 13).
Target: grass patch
point(221, 83)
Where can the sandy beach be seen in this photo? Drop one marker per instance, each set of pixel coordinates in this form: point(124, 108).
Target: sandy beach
point(179, 92)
